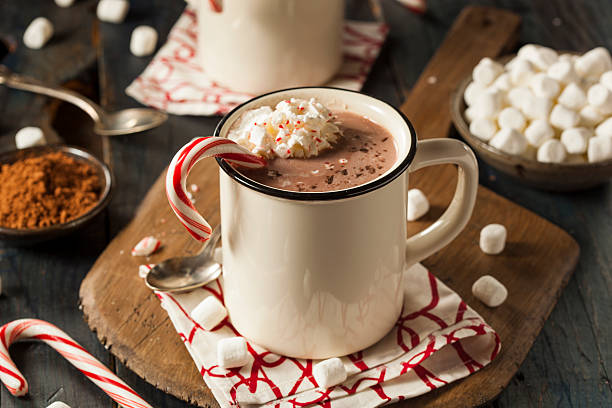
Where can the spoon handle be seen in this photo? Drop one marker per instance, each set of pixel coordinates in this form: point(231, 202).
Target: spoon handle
point(26, 83)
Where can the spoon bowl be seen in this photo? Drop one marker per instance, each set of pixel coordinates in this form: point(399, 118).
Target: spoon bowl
point(186, 273)
point(122, 122)
point(129, 121)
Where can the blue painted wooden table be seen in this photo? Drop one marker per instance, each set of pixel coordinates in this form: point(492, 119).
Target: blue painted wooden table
point(570, 361)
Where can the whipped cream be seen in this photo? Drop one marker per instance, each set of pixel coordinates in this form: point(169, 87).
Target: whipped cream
point(295, 128)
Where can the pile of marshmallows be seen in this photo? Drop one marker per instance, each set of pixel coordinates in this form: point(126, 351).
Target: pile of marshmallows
point(545, 106)
point(142, 42)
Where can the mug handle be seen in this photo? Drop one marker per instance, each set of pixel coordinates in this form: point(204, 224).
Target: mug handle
point(435, 237)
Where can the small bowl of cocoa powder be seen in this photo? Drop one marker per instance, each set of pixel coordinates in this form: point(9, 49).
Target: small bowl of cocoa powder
point(49, 191)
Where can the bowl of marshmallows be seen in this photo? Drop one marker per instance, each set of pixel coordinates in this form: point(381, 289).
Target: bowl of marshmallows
point(541, 116)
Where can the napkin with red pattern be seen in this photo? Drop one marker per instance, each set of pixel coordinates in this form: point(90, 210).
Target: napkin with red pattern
point(438, 339)
point(174, 82)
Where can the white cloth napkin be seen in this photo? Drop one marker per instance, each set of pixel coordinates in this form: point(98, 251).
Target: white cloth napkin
point(437, 340)
point(174, 82)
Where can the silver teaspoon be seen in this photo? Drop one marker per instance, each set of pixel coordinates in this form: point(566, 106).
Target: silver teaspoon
point(186, 273)
point(121, 122)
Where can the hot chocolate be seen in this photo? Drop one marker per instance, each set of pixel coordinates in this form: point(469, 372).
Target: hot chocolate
point(364, 152)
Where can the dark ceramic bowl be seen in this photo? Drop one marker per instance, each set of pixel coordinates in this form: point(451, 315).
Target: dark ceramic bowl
point(545, 176)
point(32, 236)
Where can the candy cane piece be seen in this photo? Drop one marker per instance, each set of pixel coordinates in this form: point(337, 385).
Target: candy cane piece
point(94, 370)
point(215, 5)
point(176, 178)
point(416, 6)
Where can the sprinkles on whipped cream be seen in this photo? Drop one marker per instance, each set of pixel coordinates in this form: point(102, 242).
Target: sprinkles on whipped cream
point(294, 128)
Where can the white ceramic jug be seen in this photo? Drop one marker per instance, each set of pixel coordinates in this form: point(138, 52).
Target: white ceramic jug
point(257, 46)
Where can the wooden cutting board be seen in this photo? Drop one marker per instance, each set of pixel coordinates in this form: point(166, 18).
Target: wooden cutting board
point(536, 265)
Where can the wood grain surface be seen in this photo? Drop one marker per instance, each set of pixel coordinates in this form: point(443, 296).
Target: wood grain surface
point(570, 361)
point(535, 267)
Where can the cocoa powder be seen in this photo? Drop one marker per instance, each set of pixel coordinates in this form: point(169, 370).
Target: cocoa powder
point(44, 190)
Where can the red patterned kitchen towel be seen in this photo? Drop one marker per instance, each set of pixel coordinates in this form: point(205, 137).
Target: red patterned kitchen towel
point(437, 340)
point(175, 83)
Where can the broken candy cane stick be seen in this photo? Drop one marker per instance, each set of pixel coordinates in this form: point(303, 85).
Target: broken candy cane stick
point(176, 178)
point(95, 371)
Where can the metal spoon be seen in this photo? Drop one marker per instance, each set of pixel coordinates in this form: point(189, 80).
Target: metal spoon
point(121, 122)
point(187, 273)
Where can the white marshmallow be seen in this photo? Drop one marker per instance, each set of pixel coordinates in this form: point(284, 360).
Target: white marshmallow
point(576, 140)
point(604, 128)
point(469, 114)
point(502, 82)
point(573, 97)
point(538, 132)
point(29, 136)
point(540, 57)
point(606, 80)
point(488, 104)
point(330, 372)
point(563, 118)
point(58, 404)
point(64, 3)
point(590, 116)
point(511, 63)
point(232, 352)
point(38, 33)
point(536, 107)
point(600, 149)
point(209, 313)
point(522, 70)
point(472, 91)
point(551, 151)
point(493, 239)
point(568, 57)
point(600, 97)
point(527, 49)
point(511, 118)
point(489, 291)
point(143, 41)
point(563, 71)
point(418, 205)
point(486, 71)
point(593, 63)
point(518, 96)
point(483, 128)
point(112, 11)
point(544, 86)
point(509, 141)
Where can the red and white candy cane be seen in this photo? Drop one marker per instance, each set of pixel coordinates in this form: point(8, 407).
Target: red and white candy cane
point(34, 329)
point(176, 178)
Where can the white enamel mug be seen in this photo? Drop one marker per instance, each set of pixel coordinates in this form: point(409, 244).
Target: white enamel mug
point(319, 274)
point(257, 46)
